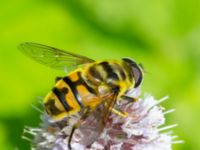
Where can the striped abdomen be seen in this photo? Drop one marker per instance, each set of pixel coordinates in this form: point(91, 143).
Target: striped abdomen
point(69, 95)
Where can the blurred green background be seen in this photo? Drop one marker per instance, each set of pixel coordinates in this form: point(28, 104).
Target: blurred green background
point(163, 35)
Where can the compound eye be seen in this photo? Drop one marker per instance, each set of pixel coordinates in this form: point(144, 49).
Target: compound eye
point(136, 71)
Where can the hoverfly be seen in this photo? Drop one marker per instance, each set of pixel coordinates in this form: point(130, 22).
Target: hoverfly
point(90, 89)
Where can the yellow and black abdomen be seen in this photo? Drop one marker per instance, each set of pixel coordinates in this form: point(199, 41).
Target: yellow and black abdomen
point(61, 102)
point(69, 95)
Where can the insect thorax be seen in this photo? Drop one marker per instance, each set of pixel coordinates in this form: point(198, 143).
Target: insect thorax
point(105, 76)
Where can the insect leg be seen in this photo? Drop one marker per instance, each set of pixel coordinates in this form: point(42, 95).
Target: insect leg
point(70, 137)
point(129, 99)
point(76, 126)
point(119, 112)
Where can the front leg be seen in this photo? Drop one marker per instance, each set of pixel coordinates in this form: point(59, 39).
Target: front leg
point(118, 111)
point(129, 99)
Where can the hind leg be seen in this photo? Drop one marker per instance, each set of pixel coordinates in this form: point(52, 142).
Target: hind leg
point(86, 112)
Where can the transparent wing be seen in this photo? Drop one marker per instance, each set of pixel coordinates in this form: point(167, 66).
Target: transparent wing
point(53, 57)
point(94, 123)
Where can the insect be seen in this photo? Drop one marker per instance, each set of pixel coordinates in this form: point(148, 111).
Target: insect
point(91, 88)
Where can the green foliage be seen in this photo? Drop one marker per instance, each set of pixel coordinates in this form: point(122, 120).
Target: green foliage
point(163, 35)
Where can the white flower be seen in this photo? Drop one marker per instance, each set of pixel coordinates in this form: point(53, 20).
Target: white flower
point(139, 131)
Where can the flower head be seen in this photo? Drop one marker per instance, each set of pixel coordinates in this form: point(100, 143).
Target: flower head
point(139, 131)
